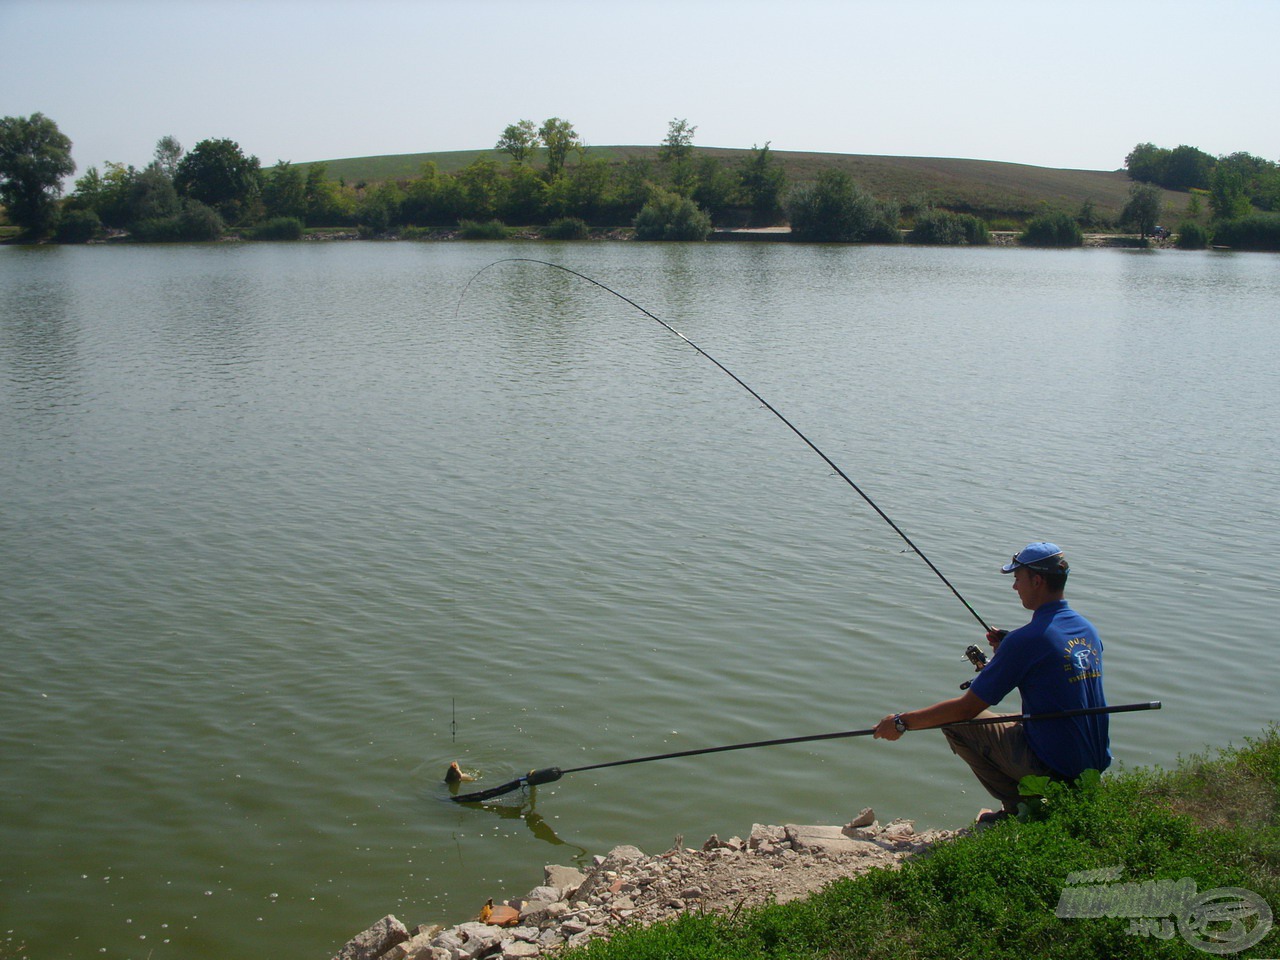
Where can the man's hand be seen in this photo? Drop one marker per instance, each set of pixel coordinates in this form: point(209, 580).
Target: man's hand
point(886, 729)
point(994, 636)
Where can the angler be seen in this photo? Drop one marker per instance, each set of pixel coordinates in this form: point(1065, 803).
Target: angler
point(1055, 662)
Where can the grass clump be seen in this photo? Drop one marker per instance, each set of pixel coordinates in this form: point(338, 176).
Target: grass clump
point(566, 228)
point(997, 894)
point(488, 230)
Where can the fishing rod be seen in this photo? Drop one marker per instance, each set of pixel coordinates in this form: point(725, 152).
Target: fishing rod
point(767, 405)
point(551, 774)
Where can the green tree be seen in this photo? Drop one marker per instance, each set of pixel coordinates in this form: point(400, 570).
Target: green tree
point(1088, 216)
point(219, 175)
point(632, 185)
point(284, 191)
point(678, 144)
point(150, 195)
point(113, 194)
point(421, 205)
point(1146, 163)
point(378, 208)
point(833, 209)
point(676, 156)
point(35, 157)
point(1261, 178)
point(560, 139)
point(127, 196)
point(589, 190)
point(1187, 167)
point(761, 185)
point(1227, 197)
point(89, 193)
point(327, 204)
point(168, 155)
point(1142, 209)
point(483, 188)
point(519, 139)
point(715, 186)
point(525, 197)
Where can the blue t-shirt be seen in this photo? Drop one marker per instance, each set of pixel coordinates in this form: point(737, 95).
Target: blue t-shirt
point(1055, 661)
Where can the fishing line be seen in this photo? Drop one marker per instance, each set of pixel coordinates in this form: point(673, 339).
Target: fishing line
point(745, 386)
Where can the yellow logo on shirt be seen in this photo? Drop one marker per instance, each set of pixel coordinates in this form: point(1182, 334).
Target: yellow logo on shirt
point(1081, 660)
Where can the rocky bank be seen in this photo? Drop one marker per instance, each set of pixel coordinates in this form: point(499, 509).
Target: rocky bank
point(628, 886)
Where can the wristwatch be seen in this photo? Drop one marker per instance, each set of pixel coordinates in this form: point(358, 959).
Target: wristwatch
point(899, 724)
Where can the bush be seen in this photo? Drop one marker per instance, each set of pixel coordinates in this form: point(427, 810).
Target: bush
point(1260, 231)
point(196, 222)
point(566, 228)
point(1192, 236)
point(669, 216)
point(1052, 230)
point(489, 230)
point(78, 226)
point(199, 222)
point(884, 223)
point(949, 229)
point(832, 210)
point(277, 228)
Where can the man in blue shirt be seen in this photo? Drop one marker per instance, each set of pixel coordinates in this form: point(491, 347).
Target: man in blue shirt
point(1055, 662)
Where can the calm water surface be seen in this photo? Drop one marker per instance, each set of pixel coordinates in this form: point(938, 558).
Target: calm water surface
point(285, 529)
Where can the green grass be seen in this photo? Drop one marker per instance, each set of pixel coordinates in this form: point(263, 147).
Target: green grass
point(987, 188)
point(993, 895)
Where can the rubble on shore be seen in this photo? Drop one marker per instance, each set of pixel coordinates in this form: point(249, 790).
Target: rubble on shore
point(628, 886)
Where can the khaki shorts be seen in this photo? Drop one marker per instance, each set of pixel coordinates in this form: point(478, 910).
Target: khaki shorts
point(999, 755)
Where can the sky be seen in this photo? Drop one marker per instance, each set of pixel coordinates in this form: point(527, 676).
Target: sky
point(1054, 84)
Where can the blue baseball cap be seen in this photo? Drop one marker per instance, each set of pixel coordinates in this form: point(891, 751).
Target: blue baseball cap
point(1042, 557)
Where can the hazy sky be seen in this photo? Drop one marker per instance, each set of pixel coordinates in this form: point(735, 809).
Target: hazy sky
point(1059, 84)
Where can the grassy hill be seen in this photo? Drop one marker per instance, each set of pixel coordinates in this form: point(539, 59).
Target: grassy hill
point(989, 188)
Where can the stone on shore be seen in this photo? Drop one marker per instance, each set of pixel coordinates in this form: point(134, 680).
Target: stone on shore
point(828, 840)
point(374, 941)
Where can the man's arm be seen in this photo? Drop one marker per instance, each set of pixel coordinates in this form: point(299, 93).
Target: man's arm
point(964, 707)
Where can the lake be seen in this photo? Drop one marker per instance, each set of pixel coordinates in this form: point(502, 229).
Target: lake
point(288, 528)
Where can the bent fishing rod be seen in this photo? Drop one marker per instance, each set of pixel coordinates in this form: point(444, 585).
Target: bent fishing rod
point(767, 405)
point(551, 774)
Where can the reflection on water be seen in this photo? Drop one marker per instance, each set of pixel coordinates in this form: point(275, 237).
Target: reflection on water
point(524, 809)
point(285, 525)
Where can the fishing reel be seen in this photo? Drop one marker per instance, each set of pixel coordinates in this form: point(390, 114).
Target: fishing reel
point(975, 656)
